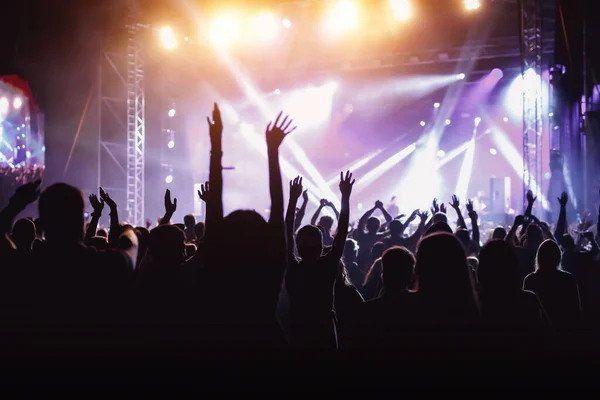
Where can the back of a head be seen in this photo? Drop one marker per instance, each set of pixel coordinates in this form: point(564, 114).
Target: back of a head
point(442, 271)
point(498, 270)
point(326, 222)
point(398, 265)
point(23, 232)
point(548, 256)
point(99, 242)
point(309, 242)
point(396, 228)
point(102, 232)
point(440, 217)
point(438, 227)
point(166, 245)
point(247, 237)
point(533, 235)
point(189, 221)
point(373, 225)
point(463, 236)
point(199, 230)
point(61, 209)
point(499, 233)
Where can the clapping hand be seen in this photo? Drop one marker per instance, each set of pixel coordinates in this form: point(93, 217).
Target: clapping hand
point(111, 203)
point(97, 205)
point(278, 131)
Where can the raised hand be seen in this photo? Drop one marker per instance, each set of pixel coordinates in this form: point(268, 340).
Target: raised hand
point(519, 220)
point(215, 127)
point(563, 199)
point(412, 217)
point(296, 188)
point(455, 203)
point(530, 198)
point(470, 208)
point(97, 205)
point(434, 207)
point(104, 196)
point(170, 206)
point(305, 196)
point(278, 131)
point(443, 208)
point(26, 194)
point(378, 204)
point(346, 184)
point(204, 192)
point(324, 202)
point(423, 215)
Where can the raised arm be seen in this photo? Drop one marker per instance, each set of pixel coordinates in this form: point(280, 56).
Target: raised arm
point(346, 183)
point(301, 212)
point(295, 192)
point(456, 205)
point(413, 240)
point(362, 222)
point(115, 227)
point(561, 225)
point(275, 134)
point(322, 204)
point(335, 210)
point(24, 195)
point(214, 207)
point(474, 222)
point(98, 206)
point(512, 234)
point(386, 215)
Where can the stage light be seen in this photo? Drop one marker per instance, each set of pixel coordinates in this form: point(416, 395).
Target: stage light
point(28, 154)
point(17, 103)
point(277, 91)
point(551, 114)
point(461, 76)
point(167, 37)
point(497, 73)
point(448, 122)
point(172, 112)
point(3, 105)
point(422, 123)
point(266, 26)
point(187, 39)
point(441, 153)
point(343, 17)
point(223, 29)
point(401, 9)
point(477, 121)
point(169, 179)
point(287, 24)
point(493, 151)
point(436, 105)
point(505, 119)
point(472, 5)
point(171, 144)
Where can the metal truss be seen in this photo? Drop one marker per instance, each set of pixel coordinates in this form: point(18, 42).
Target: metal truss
point(533, 119)
point(136, 128)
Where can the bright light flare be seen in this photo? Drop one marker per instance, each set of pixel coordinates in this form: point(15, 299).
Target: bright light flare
point(466, 170)
point(266, 26)
point(472, 5)
point(167, 37)
point(17, 103)
point(287, 24)
point(169, 179)
point(224, 29)
point(401, 9)
point(4, 105)
point(171, 144)
point(172, 112)
point(461, 76)
point(343, 17)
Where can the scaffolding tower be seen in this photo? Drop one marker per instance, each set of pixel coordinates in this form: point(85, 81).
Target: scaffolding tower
point(531, 70)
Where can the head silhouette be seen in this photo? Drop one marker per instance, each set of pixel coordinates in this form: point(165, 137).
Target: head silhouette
point(499, 233)
point(533, 236)
point(199, 230)
point(377, 250)
point(373, 225)
point(398, 266)
point(102, 232)
point(438, 227)
point(396, 228)
point(326, 222)
point(189, 221)
point(249, 235)
point(309, 242)
point(61, 209)
point(440, 217)
point(463, 236)
point(444, 278)
point(166, 245)
point(548, 256)
point(350, 250)
point(23, 234)
point(498, 270)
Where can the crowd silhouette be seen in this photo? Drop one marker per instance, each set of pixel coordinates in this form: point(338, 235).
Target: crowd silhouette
point(406, 291)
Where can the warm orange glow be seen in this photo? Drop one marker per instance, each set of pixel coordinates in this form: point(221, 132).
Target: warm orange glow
point(167, 37)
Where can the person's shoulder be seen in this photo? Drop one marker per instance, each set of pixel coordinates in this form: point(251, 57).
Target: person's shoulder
point(566, 276)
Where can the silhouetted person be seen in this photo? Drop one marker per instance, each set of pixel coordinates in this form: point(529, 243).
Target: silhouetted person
point(372, 285)
point(556, 289)
point(23, 235)
point(367, 233)
point(190, 223)
point(499, 233)
point(353, 271)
